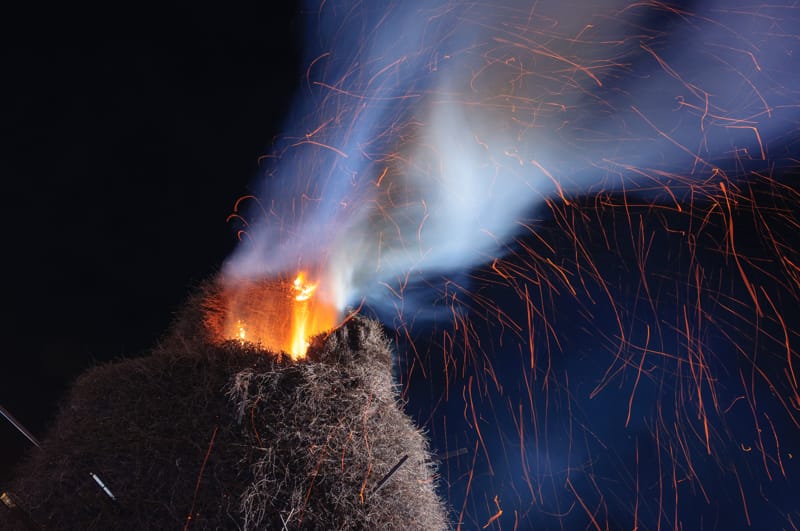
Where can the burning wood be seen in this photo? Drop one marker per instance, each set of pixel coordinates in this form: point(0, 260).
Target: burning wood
point(277, 315)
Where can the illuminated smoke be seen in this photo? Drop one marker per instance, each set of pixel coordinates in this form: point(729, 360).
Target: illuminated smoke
point(426, 132)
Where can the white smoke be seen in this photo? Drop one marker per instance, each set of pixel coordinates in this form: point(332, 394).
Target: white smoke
point(429, 130)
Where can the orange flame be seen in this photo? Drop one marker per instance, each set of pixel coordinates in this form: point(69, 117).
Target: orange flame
point(242, 331)
point(280, 316)
point(301, 315)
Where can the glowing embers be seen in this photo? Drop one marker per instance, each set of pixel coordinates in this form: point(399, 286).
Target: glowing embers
point(277, 315)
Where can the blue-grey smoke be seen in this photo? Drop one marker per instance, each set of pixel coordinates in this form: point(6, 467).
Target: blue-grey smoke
point(427, 132)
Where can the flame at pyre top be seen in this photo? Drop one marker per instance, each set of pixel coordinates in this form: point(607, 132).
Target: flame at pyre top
point(280, 316)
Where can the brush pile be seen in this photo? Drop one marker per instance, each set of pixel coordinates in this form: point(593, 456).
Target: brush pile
point(209, 434)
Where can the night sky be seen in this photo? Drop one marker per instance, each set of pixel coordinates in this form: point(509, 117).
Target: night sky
point(129, 133)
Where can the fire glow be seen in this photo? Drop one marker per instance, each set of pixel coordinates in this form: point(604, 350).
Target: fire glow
point(302, 317)
point(279, 316)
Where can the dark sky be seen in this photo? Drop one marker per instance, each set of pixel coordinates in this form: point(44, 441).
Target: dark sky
point(127, 134)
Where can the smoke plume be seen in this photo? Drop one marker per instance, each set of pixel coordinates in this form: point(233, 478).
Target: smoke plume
point(427, 133)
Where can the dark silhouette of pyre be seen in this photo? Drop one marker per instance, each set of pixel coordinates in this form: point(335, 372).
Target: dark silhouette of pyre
point(207, 433)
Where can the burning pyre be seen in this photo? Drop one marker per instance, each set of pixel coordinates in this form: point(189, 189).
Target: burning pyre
point(212, 431)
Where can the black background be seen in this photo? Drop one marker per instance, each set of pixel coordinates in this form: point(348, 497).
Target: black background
point(128, 132)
